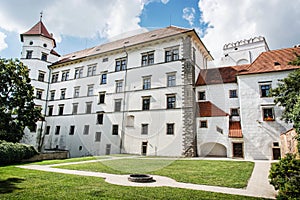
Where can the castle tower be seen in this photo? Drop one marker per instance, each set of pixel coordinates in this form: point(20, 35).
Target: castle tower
point(37, 54)
point(243, 51)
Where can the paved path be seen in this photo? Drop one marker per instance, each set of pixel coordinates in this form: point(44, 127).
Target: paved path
point(258, 185)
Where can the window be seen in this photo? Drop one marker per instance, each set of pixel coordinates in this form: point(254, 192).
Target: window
point(88, 109)
point(118, 105)
point(101, 97)
point(171, 101)
point(44, 57)
point(54, 77)
point(171, 80)
point(29, 54)
point(144, 129)
point(100, 118)
point(146, 103)
point(103, 78)
point(75, 108)
point(147, 58)
point(201, 95)
point(41, 76)
point(171, 55)
point(220, 130)
point(50, 110)
point(170, 129)
point(146, 83)
point(120, 64)
point(234, 112)
point(265, 90)
point(203, 124)
point(91, 70)
point(86, 129)
point(119, 86)
point(76, 92)
point(268, 114)
point(78, 73)
point(115, 128)
point(72, 130)
point(232, 94)
point(39, 94)
point(57, 129)
point(90, 90)
point(105, 60)
point(62, 93)
point(65, 75)
point(98, 137)
point(61, 110)
point(194, 55)
point(47, 130)
point(130, 121)
point(52, 95)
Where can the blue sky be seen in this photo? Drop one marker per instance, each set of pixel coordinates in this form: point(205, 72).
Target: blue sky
point(79, 24)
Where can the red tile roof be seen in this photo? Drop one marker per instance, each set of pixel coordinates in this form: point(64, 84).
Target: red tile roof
point(208, 109)
point(235, 130)
point(275, 60)
point(131, 41)
point(39, 29)
point(219, 75)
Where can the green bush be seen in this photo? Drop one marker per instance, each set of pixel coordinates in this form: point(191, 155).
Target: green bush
point(285, 177)
point(15, 152)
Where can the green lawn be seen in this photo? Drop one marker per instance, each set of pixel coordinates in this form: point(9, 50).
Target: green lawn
point(17, 183)
point(51, 162)
point(218, 173)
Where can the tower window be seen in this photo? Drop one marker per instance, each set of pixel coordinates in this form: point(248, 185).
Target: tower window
point(29, 54)
point(45, 45)
point(44, 57)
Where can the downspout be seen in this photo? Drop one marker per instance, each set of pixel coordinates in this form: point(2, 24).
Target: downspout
point(124, 104)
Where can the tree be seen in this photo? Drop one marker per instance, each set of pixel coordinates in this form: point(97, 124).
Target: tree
point(17, 109)
point(287, 95)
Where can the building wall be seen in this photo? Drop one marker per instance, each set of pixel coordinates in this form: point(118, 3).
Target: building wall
point(259, 135)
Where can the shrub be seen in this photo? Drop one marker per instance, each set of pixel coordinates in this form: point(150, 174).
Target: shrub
point(285, 177)
point(15, 152)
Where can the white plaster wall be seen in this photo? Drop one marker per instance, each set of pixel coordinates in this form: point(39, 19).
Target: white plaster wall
point(259, 135)
point(211, 135)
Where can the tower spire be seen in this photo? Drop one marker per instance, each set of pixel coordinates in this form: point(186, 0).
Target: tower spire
point(41, 15)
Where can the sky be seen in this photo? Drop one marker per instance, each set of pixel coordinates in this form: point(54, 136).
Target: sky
point(80, 24)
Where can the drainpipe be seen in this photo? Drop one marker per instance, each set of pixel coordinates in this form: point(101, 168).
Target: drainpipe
point(124, 104)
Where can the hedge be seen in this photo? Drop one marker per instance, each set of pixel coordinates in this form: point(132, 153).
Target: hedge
point(15, 152)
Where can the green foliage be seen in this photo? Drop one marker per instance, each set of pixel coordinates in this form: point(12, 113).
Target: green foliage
point(287, 95)
point(285, 177)
point(17, 109)
point(296, 61)
point(15, 152)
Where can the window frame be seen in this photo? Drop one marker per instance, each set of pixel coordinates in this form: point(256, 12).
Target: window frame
point(202, 95)
point(61, 109)
point(75, 111)
point(86, 129)
point(98, 136)
point(233, 93)
point(171, 101)
point(265, 93)
point(146, 103)
point(29, 54)
point(52, 95)
point(41, 76)
point(57, 130)
point(118, 105)
point(72, 130)
point(101, 97)
point(103, 79)
point(88, 107)
point(90, 90)
point(100, 118)
point(171, 79)
point(121, 64)
point(203, 124)
point(170, 128)
point(147, 83)
point(266, 117)
point(144, 129)
point(63, 93)
point(233, 114)
point(147, 58)
point(39, 94)
point(115, 129)
point(119, 86)
point(76, 92)
point(54, 78)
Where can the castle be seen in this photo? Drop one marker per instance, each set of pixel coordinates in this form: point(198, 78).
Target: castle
point(153, 94)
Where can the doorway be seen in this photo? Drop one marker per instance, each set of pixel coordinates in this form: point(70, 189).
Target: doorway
point(108, 147)
point(144, 148)
point(276, 153)
point(238, 150)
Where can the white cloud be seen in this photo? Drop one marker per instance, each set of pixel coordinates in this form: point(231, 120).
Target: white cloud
point(164, 1)
point(3, 44)
point(232, 20)
point(189, 15)
point(78, 18)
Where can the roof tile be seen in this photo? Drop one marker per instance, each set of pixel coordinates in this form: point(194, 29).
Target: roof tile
point(208, 109)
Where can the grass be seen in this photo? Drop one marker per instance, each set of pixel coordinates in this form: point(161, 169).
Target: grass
point(23, 184)
point(51, 162)
point(218, 173)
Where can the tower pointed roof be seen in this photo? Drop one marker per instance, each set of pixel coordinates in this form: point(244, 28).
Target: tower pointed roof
point(39, 29)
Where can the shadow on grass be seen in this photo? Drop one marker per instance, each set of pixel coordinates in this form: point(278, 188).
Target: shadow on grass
point(9, 185)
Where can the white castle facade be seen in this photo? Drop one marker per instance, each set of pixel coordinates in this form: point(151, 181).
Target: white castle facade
point(153, 94)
